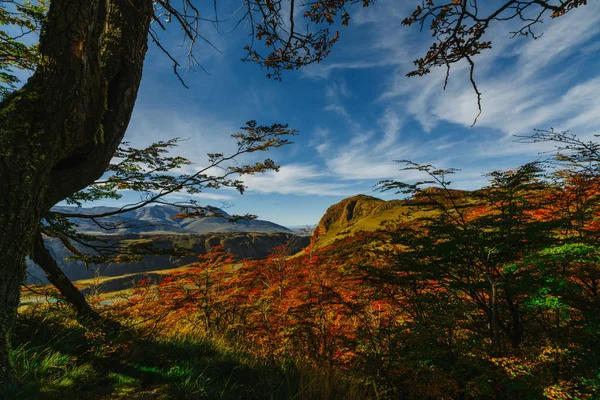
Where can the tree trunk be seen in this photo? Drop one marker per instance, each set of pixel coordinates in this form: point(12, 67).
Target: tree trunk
point(20, 203)
point(59, 132)
point(495, 319)
point(15, 240)
point(43, 258)
point(516, 334)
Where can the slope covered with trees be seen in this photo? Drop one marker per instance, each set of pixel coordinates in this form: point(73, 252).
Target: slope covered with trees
point(485, 294)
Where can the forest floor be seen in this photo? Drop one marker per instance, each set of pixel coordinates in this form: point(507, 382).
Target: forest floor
point(58, 357)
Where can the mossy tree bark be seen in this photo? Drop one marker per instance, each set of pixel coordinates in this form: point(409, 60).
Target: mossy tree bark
point(59, 132)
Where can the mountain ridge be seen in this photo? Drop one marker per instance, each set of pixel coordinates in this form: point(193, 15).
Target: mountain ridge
point(159, 219)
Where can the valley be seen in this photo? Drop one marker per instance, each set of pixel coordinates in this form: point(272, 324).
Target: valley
point(169, 242)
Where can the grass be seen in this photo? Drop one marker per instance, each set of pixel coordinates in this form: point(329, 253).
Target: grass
point(104, 289)
point(370, 222)
point(56, 357)
point(372, 214)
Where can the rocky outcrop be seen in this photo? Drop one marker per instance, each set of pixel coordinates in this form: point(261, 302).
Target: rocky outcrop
point(366, 213)
point(353, 209)
point(343, 213)
point(355, 214)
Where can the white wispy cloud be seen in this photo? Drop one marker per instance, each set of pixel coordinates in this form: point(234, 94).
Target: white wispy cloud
point(335, 94)
point(366, 44)
point(415, 119)
point(521, 89)
point(320, 140)
point(200, 134)
point(370, 152)
point(298, 179)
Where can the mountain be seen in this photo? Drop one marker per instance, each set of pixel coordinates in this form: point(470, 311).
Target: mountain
point(356, 213)
point(160, 219)
point(367, 213)
point(364, 213)
point(158, 226)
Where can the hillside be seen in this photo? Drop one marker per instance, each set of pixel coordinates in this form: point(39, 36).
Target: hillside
point(367, 304)
point(357, 213)
point(368, 213)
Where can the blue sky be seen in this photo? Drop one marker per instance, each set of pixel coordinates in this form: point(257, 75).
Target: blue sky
point(357, 112)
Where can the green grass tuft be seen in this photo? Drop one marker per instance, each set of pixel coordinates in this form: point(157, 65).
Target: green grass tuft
point(57, 358)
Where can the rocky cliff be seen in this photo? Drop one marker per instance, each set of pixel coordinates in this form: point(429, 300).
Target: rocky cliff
point(357, 213)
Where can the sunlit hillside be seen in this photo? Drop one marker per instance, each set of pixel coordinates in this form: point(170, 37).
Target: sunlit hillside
point(364, 213)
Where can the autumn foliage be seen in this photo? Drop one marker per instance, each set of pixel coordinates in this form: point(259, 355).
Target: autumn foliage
point(486, 294)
